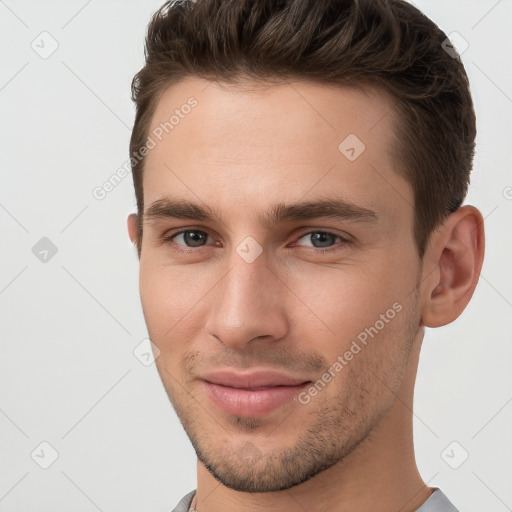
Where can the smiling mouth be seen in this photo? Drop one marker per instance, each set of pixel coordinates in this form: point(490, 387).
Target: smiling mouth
point(252, 402)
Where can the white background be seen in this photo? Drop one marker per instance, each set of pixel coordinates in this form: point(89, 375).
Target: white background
point(69, 326)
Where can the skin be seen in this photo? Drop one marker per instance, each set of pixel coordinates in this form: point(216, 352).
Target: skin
point(295, 309)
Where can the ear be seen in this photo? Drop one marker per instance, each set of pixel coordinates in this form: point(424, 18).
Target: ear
point(451, 266)
point(132, 227)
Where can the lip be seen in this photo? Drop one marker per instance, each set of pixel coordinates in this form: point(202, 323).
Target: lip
point(242, 394)
point(256, 379)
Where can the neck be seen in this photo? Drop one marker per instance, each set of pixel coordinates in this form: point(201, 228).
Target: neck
point(379, 474)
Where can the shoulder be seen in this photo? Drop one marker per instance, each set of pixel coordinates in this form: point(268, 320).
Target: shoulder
point(437, 502)
point(184, 503)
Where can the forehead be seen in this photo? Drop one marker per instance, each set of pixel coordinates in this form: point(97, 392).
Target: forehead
point(266, 143)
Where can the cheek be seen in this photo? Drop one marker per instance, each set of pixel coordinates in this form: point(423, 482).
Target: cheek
point(367, 363)
point(343, 302)
point(169, 296)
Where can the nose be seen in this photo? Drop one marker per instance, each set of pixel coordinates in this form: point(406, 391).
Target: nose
point(249, 303)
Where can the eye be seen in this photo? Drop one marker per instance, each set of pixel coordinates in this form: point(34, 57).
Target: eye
point(190, 238)
point(187, 240)
point(323, 240)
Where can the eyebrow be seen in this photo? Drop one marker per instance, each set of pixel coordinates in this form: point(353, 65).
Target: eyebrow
point(335, 208)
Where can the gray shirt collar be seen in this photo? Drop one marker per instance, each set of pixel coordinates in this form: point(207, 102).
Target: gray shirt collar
point(437, 502)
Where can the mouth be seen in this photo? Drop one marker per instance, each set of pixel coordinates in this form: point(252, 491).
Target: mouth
point(253, 401)
point(257, 379)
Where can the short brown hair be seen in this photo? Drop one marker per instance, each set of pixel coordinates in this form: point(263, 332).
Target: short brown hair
point(387, 43)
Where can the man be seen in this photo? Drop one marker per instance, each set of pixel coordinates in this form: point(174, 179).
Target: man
point(299, 169)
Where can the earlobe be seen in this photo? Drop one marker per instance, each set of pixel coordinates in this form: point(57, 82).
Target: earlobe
point(132, 222)
point(456, 255)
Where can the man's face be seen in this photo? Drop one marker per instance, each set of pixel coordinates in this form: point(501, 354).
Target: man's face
point(239, 292)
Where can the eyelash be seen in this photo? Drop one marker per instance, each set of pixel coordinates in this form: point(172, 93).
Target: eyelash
point(168, 239)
